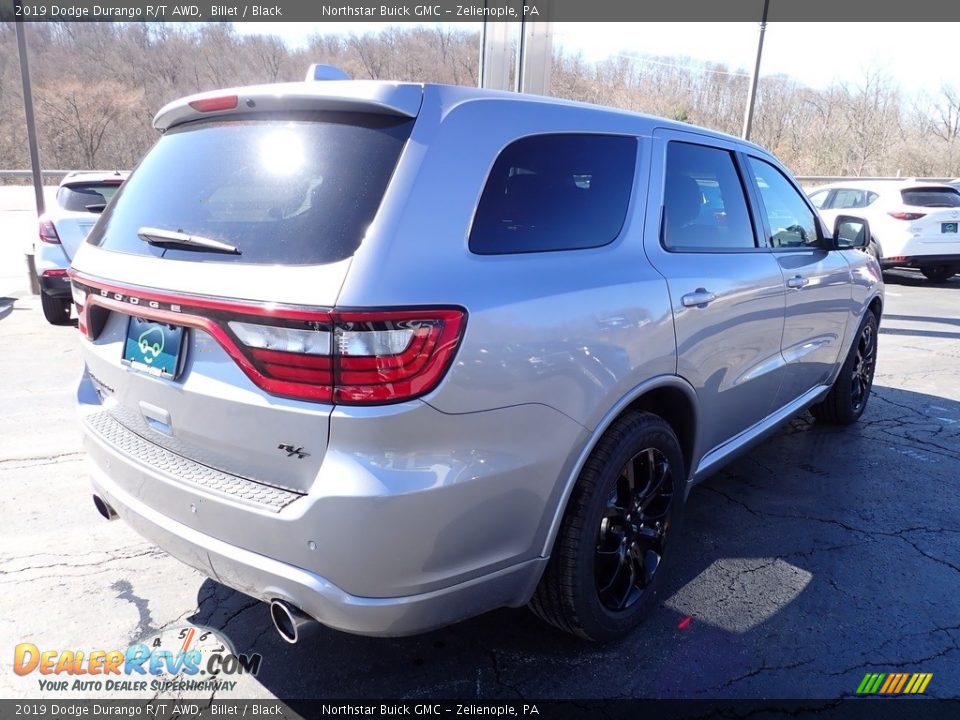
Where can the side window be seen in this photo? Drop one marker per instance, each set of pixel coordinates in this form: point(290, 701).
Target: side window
point(792, 222)
point(555, 192)
point(818, 198)
point(704, 204)
point(849, 198)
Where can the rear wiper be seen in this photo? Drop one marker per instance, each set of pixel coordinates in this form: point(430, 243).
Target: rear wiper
point(96, 207)
point(158, 236)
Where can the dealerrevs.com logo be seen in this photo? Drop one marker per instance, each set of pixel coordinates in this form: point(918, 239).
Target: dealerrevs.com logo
point(176, 659)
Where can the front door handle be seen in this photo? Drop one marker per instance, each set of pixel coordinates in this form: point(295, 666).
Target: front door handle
point(797, 282)
point(698, 298)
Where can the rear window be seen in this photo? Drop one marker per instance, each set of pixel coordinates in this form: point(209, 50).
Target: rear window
point(931, 197)
point(296, 190)
point(89, 197)
point(555, 192)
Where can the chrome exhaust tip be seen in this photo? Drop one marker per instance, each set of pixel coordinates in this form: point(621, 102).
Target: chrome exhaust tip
point(292, 624)
point(105, 510)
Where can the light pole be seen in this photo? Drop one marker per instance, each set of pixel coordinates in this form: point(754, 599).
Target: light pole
point(752, 96)
point(31, 140)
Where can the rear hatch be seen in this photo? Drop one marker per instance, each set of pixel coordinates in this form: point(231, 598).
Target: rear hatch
point(934, 216)
point(206, 287)
point(80, 206)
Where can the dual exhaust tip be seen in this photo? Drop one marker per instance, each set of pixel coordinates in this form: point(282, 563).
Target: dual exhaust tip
point(291, 623)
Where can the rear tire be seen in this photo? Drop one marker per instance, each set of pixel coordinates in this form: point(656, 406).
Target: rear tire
point(848, 397)
point(938, 273)
point(606, 568)
point(56, 310)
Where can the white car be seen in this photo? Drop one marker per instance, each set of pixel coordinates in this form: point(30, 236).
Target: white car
point(912, 224)
point(81, 198)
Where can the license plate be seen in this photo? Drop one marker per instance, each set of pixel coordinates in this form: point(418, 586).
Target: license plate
point(948, 228)
point(153, 347)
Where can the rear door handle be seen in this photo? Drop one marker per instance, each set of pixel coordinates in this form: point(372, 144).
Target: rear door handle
point(698, 298)
point(797, 281)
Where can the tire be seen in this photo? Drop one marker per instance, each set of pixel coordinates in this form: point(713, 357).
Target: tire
point(612, 542)
point(848, 397)
point(873, 249)
point(938, 273)
point(55, 310)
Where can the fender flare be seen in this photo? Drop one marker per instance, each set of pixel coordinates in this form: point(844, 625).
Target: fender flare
point(674, 382)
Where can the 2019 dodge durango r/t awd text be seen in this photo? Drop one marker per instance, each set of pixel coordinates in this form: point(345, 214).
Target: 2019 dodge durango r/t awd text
point(391, 355)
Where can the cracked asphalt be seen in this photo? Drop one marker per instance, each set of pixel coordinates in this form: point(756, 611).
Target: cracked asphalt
point(823, 555)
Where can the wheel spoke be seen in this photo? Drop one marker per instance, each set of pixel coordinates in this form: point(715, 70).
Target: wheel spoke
point(633, 528)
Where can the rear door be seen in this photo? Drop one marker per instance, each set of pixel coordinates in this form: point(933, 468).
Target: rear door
point(818, 286)
point(209, 278)
point(726, 289)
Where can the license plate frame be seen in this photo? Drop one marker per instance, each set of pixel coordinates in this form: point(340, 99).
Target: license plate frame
point(154, 348)
point(949, 228)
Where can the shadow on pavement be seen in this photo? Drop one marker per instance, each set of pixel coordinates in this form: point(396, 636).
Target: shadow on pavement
point(824, 554)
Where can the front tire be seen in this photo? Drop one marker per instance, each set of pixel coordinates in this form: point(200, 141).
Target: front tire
point(606, 569)
point(848, 397)
point(56, 310)
point(938, 273)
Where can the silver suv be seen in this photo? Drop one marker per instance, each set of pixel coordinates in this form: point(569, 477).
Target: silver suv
point(390, 355)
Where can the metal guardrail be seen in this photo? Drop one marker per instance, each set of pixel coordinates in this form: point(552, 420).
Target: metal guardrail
point(824, 179)
point(45, 173)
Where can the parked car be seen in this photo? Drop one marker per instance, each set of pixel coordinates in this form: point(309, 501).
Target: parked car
point(390, 355)
point(913, 224)
point(81, 198)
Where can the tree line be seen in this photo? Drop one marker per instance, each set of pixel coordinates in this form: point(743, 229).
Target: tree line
point(97, 87)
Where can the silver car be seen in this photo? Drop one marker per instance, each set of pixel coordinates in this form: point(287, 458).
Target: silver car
point(81, 197)
point(390, 355)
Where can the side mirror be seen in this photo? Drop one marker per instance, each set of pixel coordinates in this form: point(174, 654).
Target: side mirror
point(850, 232)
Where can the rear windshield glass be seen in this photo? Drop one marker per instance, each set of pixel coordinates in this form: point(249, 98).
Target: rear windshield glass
point(296, 190)
point(931, 197)
point(89, 197)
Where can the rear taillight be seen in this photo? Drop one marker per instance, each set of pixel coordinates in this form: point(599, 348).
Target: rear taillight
point(906, 215)
point(54, 272)
point(363, 357)
point(48, 233)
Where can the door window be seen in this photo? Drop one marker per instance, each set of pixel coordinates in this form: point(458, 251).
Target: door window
point(704, 203)
point(792, 222)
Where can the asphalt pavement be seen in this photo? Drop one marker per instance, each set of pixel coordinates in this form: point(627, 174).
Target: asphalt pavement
point(823, 555)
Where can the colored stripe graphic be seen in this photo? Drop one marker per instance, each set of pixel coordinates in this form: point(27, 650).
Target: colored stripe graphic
point(894, 683)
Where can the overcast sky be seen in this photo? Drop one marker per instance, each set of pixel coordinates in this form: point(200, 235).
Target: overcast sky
point(919, 56)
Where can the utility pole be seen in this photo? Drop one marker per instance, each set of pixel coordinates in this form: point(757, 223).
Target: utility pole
point(755, 76)
point(31, 140)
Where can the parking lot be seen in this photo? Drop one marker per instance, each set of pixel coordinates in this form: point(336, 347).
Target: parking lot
point(823, 555)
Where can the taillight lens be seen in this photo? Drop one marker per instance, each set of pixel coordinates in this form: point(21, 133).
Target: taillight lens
point(353, 358)
point(363, 357)
point(906, 215)
point(389, 356)
point(48, 233)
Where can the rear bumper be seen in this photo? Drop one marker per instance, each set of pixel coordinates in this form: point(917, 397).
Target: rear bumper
point(268, 579)
point(417, 519)
point(921, 261)
point(55, 286)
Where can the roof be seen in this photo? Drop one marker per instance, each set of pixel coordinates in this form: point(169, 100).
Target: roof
point(392, 98)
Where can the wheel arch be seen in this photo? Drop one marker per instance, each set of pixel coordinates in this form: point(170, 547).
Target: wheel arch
point(668, 396)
